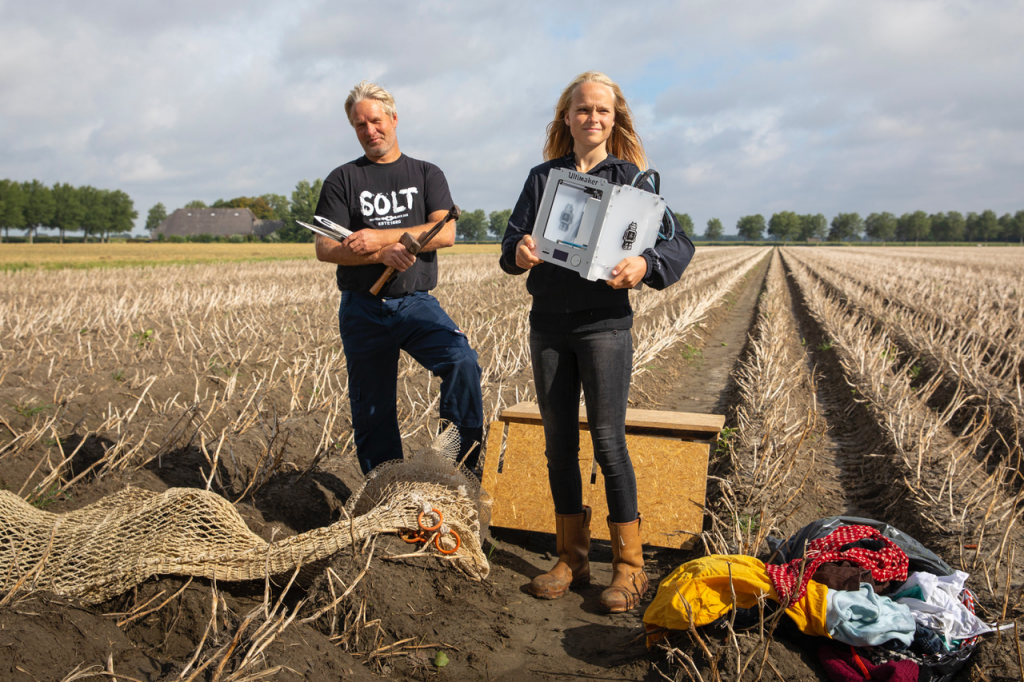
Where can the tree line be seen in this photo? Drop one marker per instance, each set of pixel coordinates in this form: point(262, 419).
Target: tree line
point(478, 226)
point(32, 205)
point(99, 213)
point(884, 227)
point(785, 226)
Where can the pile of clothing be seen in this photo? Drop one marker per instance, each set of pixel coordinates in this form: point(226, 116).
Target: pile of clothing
point(886, 607)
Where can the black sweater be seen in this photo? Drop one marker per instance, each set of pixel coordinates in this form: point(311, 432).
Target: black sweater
point(563, 301)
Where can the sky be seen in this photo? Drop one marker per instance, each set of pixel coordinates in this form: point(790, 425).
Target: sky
point(744, 107)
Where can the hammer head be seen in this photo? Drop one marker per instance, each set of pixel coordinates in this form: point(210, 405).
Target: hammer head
point(410, 243)
point(455, 213)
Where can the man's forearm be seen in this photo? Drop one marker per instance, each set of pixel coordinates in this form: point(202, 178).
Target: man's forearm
point(330, 251)
point(443, 239)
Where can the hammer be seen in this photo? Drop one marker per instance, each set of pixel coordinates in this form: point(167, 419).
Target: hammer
point(414, 247)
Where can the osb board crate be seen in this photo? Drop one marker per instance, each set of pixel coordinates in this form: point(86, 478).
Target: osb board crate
point(671, 478)
point(683, 425)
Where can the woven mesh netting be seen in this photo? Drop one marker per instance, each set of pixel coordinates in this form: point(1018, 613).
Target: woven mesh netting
point(103, 550)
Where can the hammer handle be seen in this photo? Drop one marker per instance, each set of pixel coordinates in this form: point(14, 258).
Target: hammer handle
point(453, 214)
point(388, 271)
point(412, 246)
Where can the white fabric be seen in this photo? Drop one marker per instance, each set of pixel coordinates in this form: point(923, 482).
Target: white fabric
point(863, 618)
point(941, 610)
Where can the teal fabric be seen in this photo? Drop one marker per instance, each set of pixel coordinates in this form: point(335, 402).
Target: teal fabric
point(914, 592)
point(863, 618)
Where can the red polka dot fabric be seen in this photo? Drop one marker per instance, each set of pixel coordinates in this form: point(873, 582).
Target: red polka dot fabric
point(888, 563)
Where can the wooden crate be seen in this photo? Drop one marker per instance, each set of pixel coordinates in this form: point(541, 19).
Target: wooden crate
point(669, 451)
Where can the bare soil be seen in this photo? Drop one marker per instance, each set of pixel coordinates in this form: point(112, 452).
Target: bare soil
point(418, 618)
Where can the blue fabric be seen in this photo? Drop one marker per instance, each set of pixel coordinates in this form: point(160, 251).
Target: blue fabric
point(601, 363)
point(927, 642)
point(373, 331)
point(863, 618)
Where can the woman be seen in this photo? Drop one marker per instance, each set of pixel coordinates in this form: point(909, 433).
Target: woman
point(579, 336)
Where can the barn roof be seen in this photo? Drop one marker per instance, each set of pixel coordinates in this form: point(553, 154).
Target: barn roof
point(219, 222)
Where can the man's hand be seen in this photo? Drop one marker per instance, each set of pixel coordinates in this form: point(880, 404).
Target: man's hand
point(526, 253)
point(628, 273)
point(397, 257)
point(366, 241)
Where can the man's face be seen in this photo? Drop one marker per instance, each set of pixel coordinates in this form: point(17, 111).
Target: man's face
point(374, 128)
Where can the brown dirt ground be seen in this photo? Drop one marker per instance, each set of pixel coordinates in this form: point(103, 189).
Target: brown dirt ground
point(490, 630)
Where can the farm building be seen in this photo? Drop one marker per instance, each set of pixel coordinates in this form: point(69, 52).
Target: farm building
point(218, 222)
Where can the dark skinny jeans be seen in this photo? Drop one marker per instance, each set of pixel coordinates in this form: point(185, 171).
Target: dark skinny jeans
point(601, 362)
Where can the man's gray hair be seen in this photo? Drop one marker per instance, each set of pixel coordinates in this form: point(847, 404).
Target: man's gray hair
point(368, 90)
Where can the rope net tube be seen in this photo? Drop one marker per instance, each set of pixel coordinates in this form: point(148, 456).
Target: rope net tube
point(107, 548)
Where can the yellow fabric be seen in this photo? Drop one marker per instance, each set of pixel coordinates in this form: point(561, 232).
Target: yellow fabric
point(703, 584)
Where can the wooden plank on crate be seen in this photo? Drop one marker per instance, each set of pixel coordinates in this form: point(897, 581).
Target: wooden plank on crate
point(651, 422)
point(671, 480)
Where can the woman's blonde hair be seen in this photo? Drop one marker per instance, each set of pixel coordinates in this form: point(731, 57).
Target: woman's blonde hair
point(624, 141)
point(368, 90)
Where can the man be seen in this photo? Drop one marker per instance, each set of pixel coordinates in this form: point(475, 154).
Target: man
point(379, 196)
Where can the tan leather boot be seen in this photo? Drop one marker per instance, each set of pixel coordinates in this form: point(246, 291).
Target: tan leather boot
point(629, 582)
point(572, 532)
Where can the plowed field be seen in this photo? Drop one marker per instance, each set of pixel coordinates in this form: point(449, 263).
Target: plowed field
point(883, 383)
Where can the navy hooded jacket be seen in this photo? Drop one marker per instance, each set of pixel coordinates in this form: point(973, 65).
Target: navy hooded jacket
point(562, 299)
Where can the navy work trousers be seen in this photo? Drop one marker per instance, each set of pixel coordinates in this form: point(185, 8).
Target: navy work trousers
point(601, 362)
point(373, 331)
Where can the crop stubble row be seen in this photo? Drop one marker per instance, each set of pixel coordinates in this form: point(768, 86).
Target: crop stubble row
point(893, 445)
point(949, 469)
point(231, 356)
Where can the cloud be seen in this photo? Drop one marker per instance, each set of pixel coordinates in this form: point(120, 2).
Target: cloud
point(818, 105)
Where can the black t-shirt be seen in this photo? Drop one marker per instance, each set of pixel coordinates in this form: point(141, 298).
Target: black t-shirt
point(363, 194)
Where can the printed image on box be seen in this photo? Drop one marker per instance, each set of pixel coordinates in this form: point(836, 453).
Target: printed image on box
point(566, 216)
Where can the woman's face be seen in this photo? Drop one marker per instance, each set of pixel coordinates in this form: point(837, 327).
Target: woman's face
point(591, 115)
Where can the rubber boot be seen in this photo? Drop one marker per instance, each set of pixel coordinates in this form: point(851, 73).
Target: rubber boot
point(629, 582)
point(572, 533)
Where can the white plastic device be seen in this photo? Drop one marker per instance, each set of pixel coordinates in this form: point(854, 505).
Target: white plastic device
point(588, 224)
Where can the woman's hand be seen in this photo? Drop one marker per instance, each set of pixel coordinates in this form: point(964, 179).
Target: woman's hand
point(526, 253)
point(628, 273)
